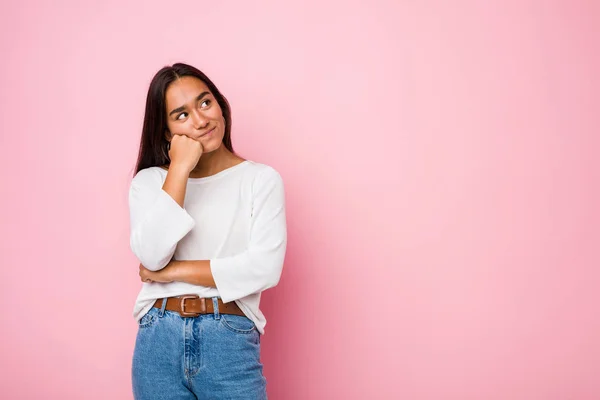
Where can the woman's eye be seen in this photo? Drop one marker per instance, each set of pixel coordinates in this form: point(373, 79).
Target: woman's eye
point(179, 116)
point(206, 101)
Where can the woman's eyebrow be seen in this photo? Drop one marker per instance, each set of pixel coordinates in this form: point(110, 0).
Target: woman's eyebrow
point(178, 109)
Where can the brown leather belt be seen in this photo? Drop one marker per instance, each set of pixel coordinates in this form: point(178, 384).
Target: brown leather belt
point(191, 305)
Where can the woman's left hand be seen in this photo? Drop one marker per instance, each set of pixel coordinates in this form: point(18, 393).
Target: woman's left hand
point(164, 275)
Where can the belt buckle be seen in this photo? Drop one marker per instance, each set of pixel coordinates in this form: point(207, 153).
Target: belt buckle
point(182, 305)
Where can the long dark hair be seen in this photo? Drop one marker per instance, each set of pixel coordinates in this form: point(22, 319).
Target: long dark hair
point(153, 145)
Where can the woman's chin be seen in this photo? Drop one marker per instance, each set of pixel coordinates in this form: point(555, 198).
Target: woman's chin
point(211, 146)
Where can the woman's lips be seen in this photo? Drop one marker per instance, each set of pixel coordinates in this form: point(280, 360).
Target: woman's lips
point(208, 133)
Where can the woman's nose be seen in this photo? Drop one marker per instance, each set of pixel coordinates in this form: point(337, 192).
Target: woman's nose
point(198, 120)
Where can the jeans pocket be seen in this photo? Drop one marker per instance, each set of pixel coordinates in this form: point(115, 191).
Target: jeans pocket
point(148, 319)
point(238, 323)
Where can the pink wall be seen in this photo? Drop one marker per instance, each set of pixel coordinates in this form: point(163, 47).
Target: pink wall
point(441, 175)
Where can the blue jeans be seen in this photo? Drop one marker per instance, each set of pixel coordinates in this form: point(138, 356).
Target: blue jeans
point(212, 356)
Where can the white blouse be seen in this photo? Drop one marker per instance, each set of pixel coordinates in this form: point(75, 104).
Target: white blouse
point(235, 218)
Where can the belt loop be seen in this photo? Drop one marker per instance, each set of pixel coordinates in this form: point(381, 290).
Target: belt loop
point(216, 307)
point(162, 308)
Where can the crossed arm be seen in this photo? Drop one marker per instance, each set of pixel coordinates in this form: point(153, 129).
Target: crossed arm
point(196, 272)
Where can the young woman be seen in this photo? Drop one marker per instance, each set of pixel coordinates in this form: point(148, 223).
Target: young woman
point(209, 229)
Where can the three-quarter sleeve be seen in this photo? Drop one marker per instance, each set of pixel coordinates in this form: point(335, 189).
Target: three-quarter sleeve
point(259, 267)
point(157, 221)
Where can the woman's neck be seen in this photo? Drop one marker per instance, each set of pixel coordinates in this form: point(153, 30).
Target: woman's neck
point(215, 162)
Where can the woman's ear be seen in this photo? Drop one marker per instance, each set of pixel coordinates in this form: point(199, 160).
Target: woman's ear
point(168, 135)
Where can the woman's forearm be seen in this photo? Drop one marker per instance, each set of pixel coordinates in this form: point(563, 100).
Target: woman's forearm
point(176, 184)
point(196, 272)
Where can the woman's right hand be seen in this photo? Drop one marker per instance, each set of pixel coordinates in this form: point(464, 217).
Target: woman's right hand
point(185, 152)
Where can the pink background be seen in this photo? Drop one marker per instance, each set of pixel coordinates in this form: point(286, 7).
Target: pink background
point(442, 182)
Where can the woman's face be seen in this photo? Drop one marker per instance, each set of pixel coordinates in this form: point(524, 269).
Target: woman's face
point(193, 111)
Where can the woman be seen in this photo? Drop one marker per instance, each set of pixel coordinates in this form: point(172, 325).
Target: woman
point(209, 229)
